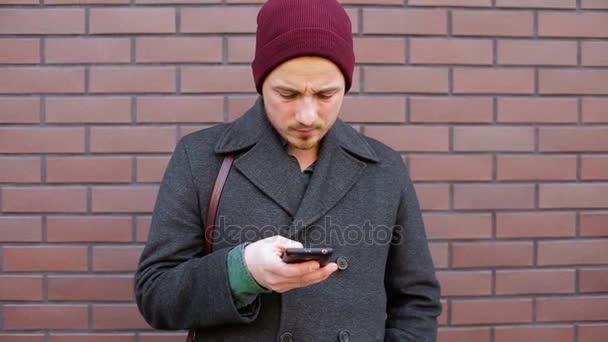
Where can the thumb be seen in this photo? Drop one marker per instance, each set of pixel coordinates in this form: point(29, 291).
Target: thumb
point(282, 243)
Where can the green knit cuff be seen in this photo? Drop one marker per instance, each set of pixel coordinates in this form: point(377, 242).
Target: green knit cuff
point(244, 288)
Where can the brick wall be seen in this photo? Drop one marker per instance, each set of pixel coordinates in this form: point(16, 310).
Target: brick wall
point(500, 108)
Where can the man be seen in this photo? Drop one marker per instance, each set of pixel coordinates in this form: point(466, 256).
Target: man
point(302, 177)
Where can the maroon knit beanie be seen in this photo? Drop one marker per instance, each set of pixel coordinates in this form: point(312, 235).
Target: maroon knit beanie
point(295, 28)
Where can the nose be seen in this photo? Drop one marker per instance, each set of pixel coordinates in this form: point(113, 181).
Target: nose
point(307, 112)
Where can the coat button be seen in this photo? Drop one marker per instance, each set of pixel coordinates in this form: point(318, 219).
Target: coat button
point(343, 336)
point(286, 337)
point(342, 263)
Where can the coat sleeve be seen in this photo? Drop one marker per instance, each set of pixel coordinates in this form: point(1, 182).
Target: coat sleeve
point(176, 287)
point(413, 296)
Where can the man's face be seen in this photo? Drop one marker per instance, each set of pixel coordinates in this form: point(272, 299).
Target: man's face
point(302, 98)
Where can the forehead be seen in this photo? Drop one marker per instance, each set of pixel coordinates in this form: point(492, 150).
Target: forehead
point(313, 71)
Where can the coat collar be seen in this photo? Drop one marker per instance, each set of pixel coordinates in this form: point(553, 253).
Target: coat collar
point(343, 156)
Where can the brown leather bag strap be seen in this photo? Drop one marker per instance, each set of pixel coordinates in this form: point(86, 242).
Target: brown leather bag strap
point(220, 180)
point(215, 201)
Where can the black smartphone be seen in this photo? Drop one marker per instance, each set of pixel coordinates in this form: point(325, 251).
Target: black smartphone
point(322, 255)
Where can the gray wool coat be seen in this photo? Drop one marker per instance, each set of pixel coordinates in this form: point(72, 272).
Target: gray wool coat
point(360, 201)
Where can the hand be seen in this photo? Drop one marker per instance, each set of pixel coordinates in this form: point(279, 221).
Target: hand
point(263, 260)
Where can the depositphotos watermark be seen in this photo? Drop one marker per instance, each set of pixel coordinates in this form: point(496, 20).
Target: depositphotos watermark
point(321, 233)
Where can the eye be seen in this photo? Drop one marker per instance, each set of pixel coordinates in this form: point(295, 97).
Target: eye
point(288, 95)
point(325, 96)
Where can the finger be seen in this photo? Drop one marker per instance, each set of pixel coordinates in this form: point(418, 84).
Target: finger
point(295, 270)
point(283, 242)
point(320, 275)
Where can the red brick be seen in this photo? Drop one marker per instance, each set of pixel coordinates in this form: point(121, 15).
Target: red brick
point(491, 254)
point(42, 80)
point(573, 81)
point(124, 199)
point(22, 337)
point(574, 195)
point(571, 309)
point(143, 227)
point(116, 259)
point(44, 259)
point(458, 226)
point(90, 288)
point(464, 283)
point(19, 2)
point(564, 24)
point(241, 49)
point(373, 109)
point(380, 50)
point(451, 110)
point(151, 169)
point(597, 4)
point(88, 110)
point(593, 280)
point(534, 282)
point(82, 2)
point(594, 167)
point(538, 333)
point(87, 50)
point(492, 23)
point(88, 170)
point(463, 335)
point(219, 20)
point(440, 254)
point(416, 21)
point(576, 252)
point(180, 109)
point(217, 79)
point(493, 138)
point(537, 52)
point(493, 311)
point(595, 110)
point(537, 110)
point(453, 51)
point(20, 229)
point(93, 338)
point(411, 138)
point(450, 167)
point(179, 49)
point(185, 130)
point(132, 139)
point(458, 3)
point(45, 316)
point(15, 110)
point(89, 229)
point(537, 3)
point(19, 170)
point(41, 140)
point(594, 224)
point(238, 105)
point(442, 320)
point(493, 81)
point(535, 225)
point(19, 51)
point(595, 53)
point(56, 199)
point(132, 20)
point(118, 317)
point(535, 167)
point(592, 333)
point(574, 139)
point(148, 79)
point(433, 196)
point(47, 21)
point(345, 2)
point(25, 288)
point(406, 79)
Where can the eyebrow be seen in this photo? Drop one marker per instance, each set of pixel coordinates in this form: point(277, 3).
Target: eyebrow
point(324, 90)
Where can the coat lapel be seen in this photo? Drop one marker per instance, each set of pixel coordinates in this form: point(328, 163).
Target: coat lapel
point(266, 164)
point(342, 158)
